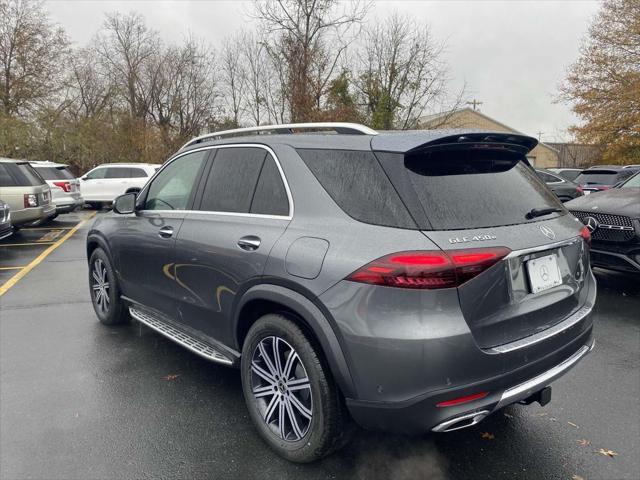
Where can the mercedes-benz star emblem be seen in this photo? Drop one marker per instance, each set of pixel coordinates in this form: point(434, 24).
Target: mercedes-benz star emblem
point(547, 232)
point(544, 272)
point(591, 223)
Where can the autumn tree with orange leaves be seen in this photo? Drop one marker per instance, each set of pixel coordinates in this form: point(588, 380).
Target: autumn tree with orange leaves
point(604, 83)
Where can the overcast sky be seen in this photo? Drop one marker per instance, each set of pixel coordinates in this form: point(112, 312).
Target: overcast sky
point(510, 54)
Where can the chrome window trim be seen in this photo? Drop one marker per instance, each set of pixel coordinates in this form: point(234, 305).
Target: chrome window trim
point(234, 214)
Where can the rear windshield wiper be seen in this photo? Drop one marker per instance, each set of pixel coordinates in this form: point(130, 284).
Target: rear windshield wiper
point(540, 212)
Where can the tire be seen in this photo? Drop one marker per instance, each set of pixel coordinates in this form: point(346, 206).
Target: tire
point(104, 291)
point(310, 439)
point(95, 205)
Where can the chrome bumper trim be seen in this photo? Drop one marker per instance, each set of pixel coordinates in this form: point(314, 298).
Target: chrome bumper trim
point(528, 388)
point(567, 323)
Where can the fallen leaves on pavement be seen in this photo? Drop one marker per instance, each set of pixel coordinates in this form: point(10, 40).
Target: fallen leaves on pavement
point(608, 453)
point(573, 424)
point(583, 442)
point(488, 436)
point(508, 415)
point(577, 477)
point(170, 377)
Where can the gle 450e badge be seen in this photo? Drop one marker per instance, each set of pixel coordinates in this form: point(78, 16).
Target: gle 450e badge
point(475, 238)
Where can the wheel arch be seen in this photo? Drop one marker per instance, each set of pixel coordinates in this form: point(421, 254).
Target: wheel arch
point(267, 298)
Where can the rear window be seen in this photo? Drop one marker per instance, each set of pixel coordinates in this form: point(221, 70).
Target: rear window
point(464, 188)
point(19, 175)
point(357, 183)
point(597, 177)
point(54, 173)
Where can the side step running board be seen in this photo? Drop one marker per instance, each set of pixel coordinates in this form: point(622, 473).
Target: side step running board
point(196, 346)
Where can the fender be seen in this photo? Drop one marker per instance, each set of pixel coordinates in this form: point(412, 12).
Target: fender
point(314, 318)
point(95, 237)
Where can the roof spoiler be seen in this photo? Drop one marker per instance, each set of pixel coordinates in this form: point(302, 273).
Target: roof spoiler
point(418, 140)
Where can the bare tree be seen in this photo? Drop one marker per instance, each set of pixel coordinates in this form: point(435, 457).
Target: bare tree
point(400, 73)
point(125, 47)
point(89, 93)
point(32, 56)
point(300, 32)
point(256, 72)
point(234, 76)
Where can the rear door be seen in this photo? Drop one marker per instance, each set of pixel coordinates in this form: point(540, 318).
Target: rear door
point(224, 245)
point(92, 184)
point(471, 201)
point(145, 241)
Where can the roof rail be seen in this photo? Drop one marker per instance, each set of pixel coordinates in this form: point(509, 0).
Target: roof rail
point(338, 127)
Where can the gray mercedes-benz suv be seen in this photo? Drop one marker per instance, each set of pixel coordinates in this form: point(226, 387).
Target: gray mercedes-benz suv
point(410, 281)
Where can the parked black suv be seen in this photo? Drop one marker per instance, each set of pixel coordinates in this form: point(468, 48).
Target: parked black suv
point(613, 217)
point(413, 281)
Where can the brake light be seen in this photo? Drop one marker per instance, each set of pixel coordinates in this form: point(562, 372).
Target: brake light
point(66, 186)
point(461, 400)
point(30, 200)
point(586, 235)
point(579, 190)
point(429, 269)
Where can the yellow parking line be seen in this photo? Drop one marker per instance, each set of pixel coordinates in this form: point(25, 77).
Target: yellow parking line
point(24, 244)
point(11, 268)
point(18, 276)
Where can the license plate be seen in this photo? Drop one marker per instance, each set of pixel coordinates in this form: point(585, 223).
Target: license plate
point(543, 273)
point(586, 192)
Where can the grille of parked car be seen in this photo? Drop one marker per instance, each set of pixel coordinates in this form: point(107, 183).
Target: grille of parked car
point(613, 228)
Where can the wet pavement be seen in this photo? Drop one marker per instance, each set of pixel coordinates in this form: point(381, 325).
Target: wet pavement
point(80, 400)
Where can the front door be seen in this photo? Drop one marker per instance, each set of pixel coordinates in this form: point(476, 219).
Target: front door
point(146, 241)
point(243, 210)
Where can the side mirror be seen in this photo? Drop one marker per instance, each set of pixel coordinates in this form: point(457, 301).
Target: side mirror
point(125, 204)
point(84, 179)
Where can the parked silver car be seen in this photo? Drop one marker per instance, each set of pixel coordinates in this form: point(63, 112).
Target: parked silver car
point(5, 220)
point(65, 188)
point(27, 194)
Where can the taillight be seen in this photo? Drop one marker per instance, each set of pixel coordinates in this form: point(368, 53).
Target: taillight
point(429, 269)
point(30, 200)
point(66, 186)
point(579, 190)
point(586, 235)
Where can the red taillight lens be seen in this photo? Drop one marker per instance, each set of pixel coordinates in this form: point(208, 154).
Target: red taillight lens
point(66, 186)
point(429, 269)
point(461, 400)
point(579, 190)
point(586, 235)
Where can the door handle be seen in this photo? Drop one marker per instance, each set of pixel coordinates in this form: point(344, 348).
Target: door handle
point(165, 232)
point(249, 243)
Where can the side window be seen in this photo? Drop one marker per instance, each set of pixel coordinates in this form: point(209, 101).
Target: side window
point(6, 179)
point(232, 180)
point(137, 173)
point(97, 173)
point(545, 177)
point(270, 197)
point(172, 188)
point(116, 172)
point(358, 184)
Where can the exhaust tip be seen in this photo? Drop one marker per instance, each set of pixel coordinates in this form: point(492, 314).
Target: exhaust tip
point(463, 421)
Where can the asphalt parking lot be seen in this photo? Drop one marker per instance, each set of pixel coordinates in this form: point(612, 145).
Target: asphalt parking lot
point(80, 400)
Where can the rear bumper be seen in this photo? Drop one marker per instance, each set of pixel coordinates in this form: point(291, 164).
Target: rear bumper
point(33, 215)
point(67, 205)
point(422, 414)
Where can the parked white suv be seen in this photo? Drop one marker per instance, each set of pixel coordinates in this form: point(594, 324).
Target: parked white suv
point(65, 188)
point(105, 182)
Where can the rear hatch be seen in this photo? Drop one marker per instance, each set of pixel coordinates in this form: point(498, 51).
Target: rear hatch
point(473, 196)
point(594, 180)
point(60, 179)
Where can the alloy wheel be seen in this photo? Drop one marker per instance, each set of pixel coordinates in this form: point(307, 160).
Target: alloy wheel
point(100, 285)
point(281, 388)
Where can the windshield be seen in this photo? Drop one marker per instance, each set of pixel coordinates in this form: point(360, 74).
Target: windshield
point(632, 182)
point(597, 177)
